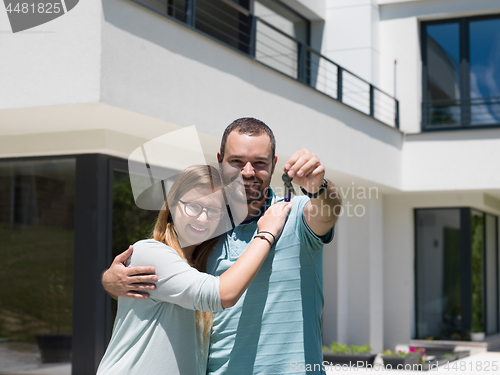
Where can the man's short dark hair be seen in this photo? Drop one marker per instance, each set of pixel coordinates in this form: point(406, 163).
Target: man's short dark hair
point(249, 126)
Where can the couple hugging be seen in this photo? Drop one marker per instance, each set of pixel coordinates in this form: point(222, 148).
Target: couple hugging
point(197, 316)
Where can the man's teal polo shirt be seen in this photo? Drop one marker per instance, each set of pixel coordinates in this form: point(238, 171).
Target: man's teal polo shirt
point(275, 328)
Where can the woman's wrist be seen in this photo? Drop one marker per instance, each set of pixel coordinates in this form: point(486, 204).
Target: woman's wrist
point(269, 233)
point(265, 236)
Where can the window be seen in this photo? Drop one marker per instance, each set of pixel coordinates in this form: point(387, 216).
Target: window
point(265, 29)
point(129, 223)
point(226, 20)
point(275, 35)
point(461, 73)
point(278, 30)
point(456, 274)
point(37, 204)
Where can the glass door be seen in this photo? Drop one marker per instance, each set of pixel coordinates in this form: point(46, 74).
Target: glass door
point(129, 223)
point(37, 204)
point(457, 278)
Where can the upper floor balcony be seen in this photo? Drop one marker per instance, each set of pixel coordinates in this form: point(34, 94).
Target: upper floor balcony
point(273, 34)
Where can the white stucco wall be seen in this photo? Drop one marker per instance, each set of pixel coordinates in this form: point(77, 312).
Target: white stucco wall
point(125, 69)
point(351, 36)
point(458, 160)
point(154, 66)
point(353, 275)
point(55, 63)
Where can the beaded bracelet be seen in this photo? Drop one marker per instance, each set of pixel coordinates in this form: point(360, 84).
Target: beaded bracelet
point(263, 231)
point(264, 238)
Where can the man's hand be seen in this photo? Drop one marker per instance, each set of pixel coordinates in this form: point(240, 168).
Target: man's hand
point(123, 281)
point(321, 213)
point(305, 170)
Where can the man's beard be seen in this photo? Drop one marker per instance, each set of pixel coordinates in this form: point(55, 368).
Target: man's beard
point(256, 195)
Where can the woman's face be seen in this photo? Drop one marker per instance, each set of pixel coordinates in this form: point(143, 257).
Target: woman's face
point(196, 215)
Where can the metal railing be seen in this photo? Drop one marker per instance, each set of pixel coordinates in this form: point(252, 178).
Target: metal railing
point(475, 112)
point(236, 27)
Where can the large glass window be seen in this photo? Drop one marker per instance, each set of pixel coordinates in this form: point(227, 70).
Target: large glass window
point(439, 302)
point(461, 62)
point(484, 46)
point(492, 280)
point(278, 29)
point(456, 273)
point(268, 30)
point(37, 200)
point(443, 74)
point(477, 276)
point(226, 20)
point(130, 223)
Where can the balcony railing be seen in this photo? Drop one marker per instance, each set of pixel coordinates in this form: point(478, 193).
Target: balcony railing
point(461, 114)
point(234, 25)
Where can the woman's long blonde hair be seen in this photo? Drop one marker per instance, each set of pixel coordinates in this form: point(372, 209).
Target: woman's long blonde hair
point(197, 176)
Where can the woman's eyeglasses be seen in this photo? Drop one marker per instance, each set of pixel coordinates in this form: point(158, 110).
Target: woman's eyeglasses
point(195, 210)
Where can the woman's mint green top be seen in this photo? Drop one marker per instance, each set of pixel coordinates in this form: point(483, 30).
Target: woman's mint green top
point(159, 335)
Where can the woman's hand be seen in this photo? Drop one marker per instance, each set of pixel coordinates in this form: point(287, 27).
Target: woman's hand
point(274, 218)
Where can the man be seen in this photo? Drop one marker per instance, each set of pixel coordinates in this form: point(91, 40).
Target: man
point(275, 328)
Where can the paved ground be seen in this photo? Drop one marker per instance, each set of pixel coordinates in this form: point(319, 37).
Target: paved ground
point(481, 363)
point(24, 359)
point(46, 369)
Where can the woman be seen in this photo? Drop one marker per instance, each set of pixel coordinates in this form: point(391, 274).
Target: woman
point(164, 334)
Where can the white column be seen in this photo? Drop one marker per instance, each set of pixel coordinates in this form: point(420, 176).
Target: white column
point(398, 275)
point(353, 276)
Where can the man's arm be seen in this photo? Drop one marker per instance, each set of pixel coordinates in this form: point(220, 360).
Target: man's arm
point(123, 281)
point(321, 213)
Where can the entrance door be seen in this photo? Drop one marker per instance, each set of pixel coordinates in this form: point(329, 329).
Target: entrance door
point(129, 223)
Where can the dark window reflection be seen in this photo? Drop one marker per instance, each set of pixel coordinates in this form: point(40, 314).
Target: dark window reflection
point(485, 71)
point(224, 22)
point(439, 307)
point(443, 74)
point(130, 223)
point(462, 60)
point(37, 201)
point(282, 18)
point(492, 282)
point(477, 231)
point(451, 305)
point(172, 8)
point(272, 47)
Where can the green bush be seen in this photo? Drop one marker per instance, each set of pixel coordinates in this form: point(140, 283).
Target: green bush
point(338, 348)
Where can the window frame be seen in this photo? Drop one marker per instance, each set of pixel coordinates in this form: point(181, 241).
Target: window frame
point(464, 71)
point(465, 220)
point(92, 251)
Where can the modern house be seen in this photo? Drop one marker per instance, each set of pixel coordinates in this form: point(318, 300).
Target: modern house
point(400, 100)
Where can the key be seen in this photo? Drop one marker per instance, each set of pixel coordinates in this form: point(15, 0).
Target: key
point(289, 190)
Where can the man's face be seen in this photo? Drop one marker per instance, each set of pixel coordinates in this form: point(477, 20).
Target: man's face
point(252, 155)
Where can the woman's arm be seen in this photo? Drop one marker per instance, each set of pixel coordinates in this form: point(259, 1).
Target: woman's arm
point(238, 277)
point(185, 286)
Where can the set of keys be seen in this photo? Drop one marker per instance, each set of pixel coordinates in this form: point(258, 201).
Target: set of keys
point(289, 190)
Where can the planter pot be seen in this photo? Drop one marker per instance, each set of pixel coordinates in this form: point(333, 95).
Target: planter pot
point(477, 336)
point(353, 360)
point(462, 354)
point(55, 348)
point(397, 362)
